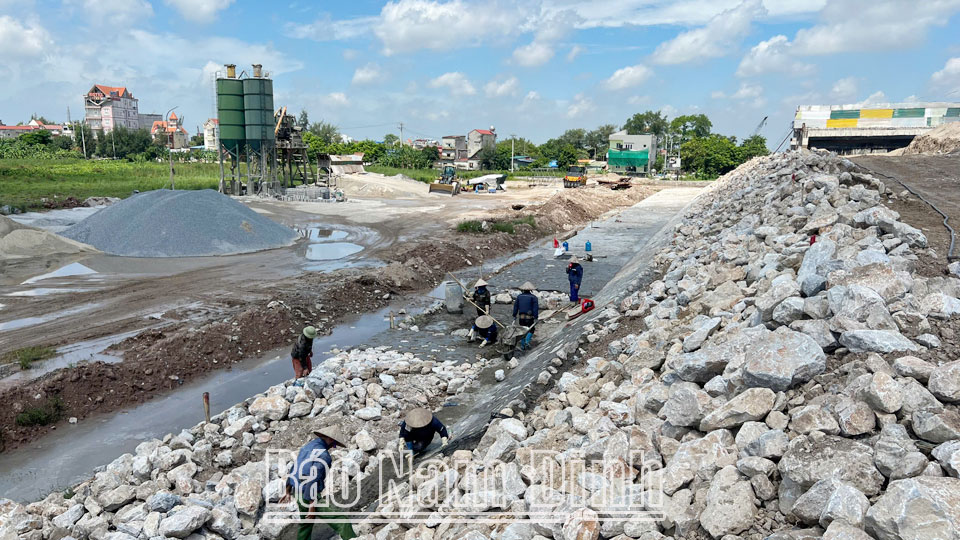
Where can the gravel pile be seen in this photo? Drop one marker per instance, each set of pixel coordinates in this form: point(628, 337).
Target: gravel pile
point(166, 223)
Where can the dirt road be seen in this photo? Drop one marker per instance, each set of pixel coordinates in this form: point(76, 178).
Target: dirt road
point(199, 315)
point(937, 179)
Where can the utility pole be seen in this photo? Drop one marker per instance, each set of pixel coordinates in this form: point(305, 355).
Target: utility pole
point(170, 150)
point(513, 141)
point(401, 134)
point(113, 137)
point(82, 139)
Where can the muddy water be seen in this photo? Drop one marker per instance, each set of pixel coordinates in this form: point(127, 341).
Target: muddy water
point(70, 453)
point(30, 321)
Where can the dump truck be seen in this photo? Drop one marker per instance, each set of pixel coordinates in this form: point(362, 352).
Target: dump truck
point(576, 177)
point(447, 182)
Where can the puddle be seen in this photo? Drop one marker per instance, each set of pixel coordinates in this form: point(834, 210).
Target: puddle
point(31, 321)
point(73, 269)
point(83, 351)
point(315, 234)
point(329, 251)
point(41, 291)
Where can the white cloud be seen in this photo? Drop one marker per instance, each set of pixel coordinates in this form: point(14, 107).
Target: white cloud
point(844, 89)
point(628, 77)
point(620, 13)
point(873, 25)
point(350, 54)
point(410, 25)
point(911, 99)
point(336, 99)
point(772, 55)
point(367, 74)
point(508, 87)
point(718, 38)
point(874, 98)
point(202, 11)
point(748, 91)
point(638, 100)
point(455, 81)
point(574, 53)
point(327, 29)
point(949, 76)
point(114, 13)
point(533, 54)
point(20, 41)
point(580, 106)
point(532, 96)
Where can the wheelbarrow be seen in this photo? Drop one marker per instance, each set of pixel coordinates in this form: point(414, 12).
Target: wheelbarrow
point(514, 337)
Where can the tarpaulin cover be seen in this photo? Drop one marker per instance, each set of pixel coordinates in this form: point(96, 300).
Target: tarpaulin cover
point(628, 158)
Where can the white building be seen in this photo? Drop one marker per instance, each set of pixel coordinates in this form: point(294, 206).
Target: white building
point(211, 134)
point(108, 106)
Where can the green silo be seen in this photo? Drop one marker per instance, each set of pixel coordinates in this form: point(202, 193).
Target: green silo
point(258, 111)
point(230, 114)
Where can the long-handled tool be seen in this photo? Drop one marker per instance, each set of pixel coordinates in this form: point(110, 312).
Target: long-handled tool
point(462, 286)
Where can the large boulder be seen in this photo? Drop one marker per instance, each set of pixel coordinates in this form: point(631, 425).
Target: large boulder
point(809, 459)
point(730, 508)
point(713, 356)
point(945, 381)
point(811, 274)
point(878, 341)
point(896, 455)
point(706, 452)
point(883, 279)
point(782, 360)
point(752, 404)
point(271, 407)
point(936, 426)
point(924, 507)
point(686, 405)
point(856, 307)
point(181, 523)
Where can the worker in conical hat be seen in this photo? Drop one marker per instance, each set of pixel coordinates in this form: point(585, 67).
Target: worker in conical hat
point(484, 327)
point(526, 310)
point(481, 297)
point(302, 352)
point(418, 428)
point(575, 276)
point(306, 482)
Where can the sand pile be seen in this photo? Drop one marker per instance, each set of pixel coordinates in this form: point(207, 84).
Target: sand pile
point(941, 140)
point(20, 241)
point(380, 186)
point(166, 223)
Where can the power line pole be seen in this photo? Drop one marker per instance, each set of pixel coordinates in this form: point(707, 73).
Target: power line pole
point(170, 150)
point(401, 134)
point(513, 141)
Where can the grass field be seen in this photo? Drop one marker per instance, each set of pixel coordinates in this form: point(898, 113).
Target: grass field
point(25, 183)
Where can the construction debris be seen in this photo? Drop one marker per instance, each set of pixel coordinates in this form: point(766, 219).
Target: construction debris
point(165, 223)
point(941, 140)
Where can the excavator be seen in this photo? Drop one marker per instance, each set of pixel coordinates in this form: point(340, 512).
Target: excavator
point(448, 182)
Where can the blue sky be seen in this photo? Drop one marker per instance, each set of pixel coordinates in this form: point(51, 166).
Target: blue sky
point(531, 68)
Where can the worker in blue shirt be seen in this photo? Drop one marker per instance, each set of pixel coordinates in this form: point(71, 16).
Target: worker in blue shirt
point(307, 480)
point(526, 310)
point(485, 328)
point(418, 429)
point(575, 275)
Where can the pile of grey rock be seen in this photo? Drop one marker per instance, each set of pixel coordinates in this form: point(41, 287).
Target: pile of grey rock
point(213, 480)
point(776, 388)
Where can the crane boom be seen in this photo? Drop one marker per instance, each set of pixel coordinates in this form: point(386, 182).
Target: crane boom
point(759, 126)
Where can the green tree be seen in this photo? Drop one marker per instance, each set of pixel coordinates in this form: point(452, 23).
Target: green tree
point(574, 137)
point(62, 143)
point(567, 156)
point(686, 127)
point(128, 143)
point(197, 140)
point(83, 133)
point(752, 147)
point(390, 139)
point(647, 122)
point(709, 156)
point(430, 154)
point(372, 151)
point(40, 118)
point(326, 131)
point(304, 120)
point(40, 137)
point(598, 140)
